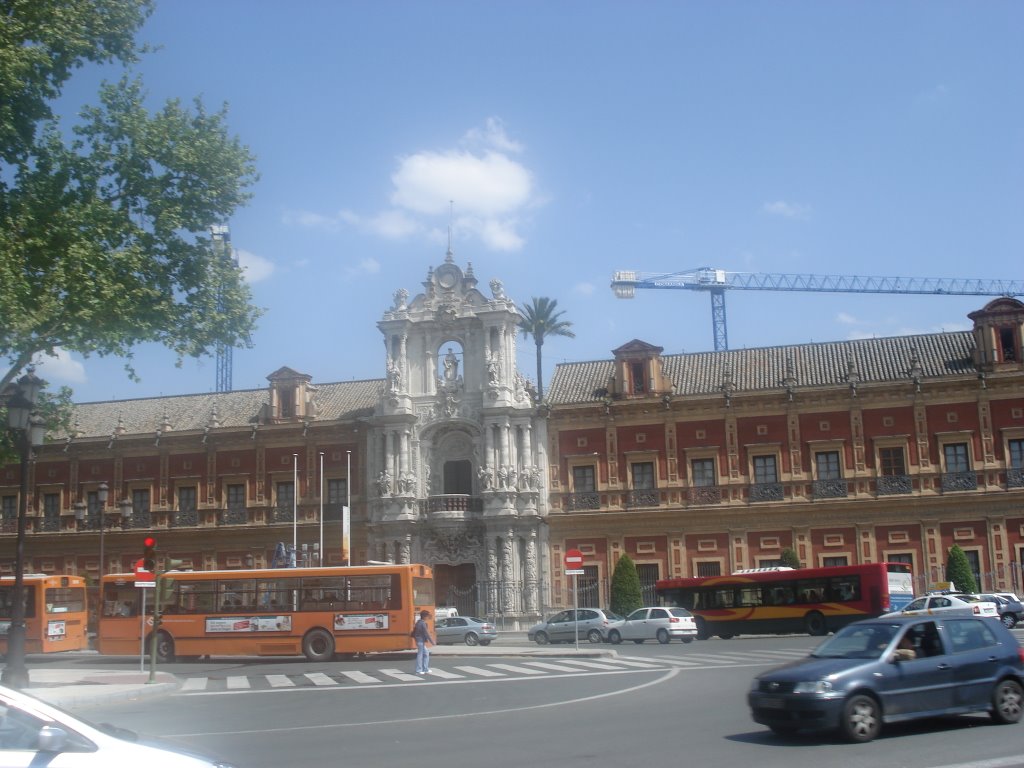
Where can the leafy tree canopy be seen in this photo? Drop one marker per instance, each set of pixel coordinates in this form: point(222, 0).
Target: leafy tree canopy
point(790, 558)
point(103, 227)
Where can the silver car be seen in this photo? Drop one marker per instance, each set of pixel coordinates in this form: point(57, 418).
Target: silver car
point(661, 624)
point(33, 732)
point(464, 629)
point(593, 625)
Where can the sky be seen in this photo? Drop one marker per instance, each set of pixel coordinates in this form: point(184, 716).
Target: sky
point(560, 142)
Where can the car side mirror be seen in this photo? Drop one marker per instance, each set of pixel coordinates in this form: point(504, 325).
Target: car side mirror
point(51, 739)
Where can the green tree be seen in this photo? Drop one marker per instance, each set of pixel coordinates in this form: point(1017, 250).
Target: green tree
point(104, 224)
point(958, 571)
point(790, 558)
point(626, 595)
point(540, 320)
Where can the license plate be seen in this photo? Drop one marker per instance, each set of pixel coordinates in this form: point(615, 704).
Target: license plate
point(772, 703)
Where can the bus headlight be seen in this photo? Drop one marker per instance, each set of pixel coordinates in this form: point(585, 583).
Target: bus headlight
point(813, 686)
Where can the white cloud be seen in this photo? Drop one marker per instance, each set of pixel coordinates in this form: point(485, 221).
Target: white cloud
point(846, 319)
point(477, 188)
point(787, 210)
point(61, 367)
point(254, 268)
point(368, 266)
point(585, 288)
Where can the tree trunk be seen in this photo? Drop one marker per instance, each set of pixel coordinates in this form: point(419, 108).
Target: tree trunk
point(540, 380)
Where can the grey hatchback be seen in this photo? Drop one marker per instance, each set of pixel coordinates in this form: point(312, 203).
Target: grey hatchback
point(890, 669)
point(593, 625)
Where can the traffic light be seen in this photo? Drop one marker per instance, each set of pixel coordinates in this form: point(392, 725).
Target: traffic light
point(149, 554)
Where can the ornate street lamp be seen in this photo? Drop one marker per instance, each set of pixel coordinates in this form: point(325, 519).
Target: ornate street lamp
point(102, 494)
point(21, 418)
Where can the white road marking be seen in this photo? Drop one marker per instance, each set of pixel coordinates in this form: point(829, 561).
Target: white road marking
point(360, 677)
point(280, 681)
point(319, 678)
point(480, 671)
point(237, 682)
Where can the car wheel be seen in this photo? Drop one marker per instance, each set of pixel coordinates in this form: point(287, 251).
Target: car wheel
point(815, 624)
point(1007, 702)
point(861, 720)
point(614, 637)
point(485, 642)
point(783, 730)
point(727, 635)
point(686, 639)
point(663, 636)
point(542, 638)
point(594, 636)
point(1009, 620)
point(318, 645)
point(471, 638)
point(638, 640)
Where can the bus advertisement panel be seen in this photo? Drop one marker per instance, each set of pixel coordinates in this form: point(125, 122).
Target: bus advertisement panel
point(784, 600)
point(56, 616)
point(316, 612)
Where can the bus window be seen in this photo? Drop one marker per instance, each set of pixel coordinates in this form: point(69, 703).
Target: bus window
point(780, 595)
point(844, 588)
point(750, 595)
point(372, 593)
point(197, 597)
point(65, 599)
point(7, 600)
point(811, 590)
point(120, 600)
point(275, 594)
point(422, 591)
point(237, 595)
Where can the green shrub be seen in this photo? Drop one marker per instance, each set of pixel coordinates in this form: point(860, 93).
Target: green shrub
point(626, 595)
point(790, 558)
point(958, 571)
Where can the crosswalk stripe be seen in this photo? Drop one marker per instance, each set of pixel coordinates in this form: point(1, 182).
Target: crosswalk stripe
point(195, 684)
point(677, 662)
point(593, 664)
point(319, 678)
point(517, 669)
point(480, 671)
point(360, 677)
point(280, 681)
point(444, 674)
point(636, 663)
point(552, 667)
point(400, 675)
point(237, 682)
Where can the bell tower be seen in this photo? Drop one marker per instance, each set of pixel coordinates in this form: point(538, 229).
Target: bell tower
point(458, 447)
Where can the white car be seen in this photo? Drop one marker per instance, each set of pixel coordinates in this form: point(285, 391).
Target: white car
point(33, 732)
point(661, 624)
point(930, 605)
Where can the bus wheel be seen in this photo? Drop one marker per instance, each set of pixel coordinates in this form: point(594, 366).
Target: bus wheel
point(318, 645)
point(815, 625)
point(702, 629)
point(164, 647)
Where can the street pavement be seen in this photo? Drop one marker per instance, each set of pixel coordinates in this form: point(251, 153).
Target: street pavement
point(75, 687)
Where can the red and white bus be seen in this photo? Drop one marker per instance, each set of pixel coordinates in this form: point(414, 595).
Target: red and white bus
point(56, 616)
point(784, 600)
point(316, 612)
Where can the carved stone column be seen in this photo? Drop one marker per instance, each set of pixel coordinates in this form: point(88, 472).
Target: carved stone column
point(531, 571)
point(508, 552)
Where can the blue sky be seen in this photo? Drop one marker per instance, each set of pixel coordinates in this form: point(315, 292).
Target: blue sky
point(575, 139)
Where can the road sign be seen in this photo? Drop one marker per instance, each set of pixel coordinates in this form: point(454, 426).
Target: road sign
point(143, 578)
point(574, 571)
point(573, 559)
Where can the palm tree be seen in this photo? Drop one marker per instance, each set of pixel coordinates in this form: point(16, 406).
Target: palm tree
point(540, 320)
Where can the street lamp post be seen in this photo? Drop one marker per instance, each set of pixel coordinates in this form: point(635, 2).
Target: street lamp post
point(102, 493)
point(21, 418)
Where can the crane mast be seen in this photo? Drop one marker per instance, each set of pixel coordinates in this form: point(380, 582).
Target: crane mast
point(221, 238)
point(717, 281)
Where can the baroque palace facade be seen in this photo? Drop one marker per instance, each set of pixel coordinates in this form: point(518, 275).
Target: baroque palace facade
point(696, 464)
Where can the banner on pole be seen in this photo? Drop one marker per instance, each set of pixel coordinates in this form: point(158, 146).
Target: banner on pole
point(346, 523)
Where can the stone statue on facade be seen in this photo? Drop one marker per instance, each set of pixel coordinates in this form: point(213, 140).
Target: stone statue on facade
point(497, 289)
point(383, 483)
point(407, 483)
point(400, 297)
point(485, 477)
point(492, 368)
point(451, 367)
point(394, 376)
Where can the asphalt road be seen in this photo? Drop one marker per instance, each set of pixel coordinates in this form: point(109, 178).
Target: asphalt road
point(646, 705)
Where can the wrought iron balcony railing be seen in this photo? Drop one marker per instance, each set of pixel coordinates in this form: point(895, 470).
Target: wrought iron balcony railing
point(642, 497)
point(705, 494)
point(766, 492)
point(830, 489)
point(891, 485)
point(959, 481)
point(1015, 477)
point(586, 500)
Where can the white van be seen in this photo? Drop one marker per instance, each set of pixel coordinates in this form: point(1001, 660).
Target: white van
point(445, 613)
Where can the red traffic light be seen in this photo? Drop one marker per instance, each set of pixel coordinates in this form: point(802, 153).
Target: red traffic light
point(149, 554)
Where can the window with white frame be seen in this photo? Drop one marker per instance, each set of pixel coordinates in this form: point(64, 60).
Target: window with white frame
point(1016, 449)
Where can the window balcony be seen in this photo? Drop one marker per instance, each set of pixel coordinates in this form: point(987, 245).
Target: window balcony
point(184, 518)
point(236, 516)
point(48, 524)
point(892, 485)
point(766, 492)
point(642, 497)
point(585, 500)
point(829, 489)
point(1015, 477)
point(959, 481)
point(704, 494)
point(451, 502)
point(282, 515)
point(140, 520)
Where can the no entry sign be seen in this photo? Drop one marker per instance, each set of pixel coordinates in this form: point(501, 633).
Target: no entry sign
point(573, 563)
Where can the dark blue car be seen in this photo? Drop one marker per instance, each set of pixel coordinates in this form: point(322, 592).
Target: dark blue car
point(890, 669)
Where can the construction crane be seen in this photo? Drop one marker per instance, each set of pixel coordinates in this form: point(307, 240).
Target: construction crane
point(221, 237)
point(718, 281)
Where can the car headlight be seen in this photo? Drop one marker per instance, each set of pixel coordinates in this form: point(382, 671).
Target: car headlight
point(813, 686)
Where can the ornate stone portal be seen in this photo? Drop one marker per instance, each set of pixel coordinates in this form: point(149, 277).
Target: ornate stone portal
point(457, 449)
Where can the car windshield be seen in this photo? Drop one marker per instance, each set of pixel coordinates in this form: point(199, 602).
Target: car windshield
point(613, 616)
point(857, 641)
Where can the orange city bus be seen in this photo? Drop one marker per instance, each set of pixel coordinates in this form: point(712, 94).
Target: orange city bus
point(784, 600)
point(269, 612)
point(56, 617)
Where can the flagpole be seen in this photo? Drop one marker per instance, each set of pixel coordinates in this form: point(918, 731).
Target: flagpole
point(320, 554)
point(295, 506)
point(348, 508)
